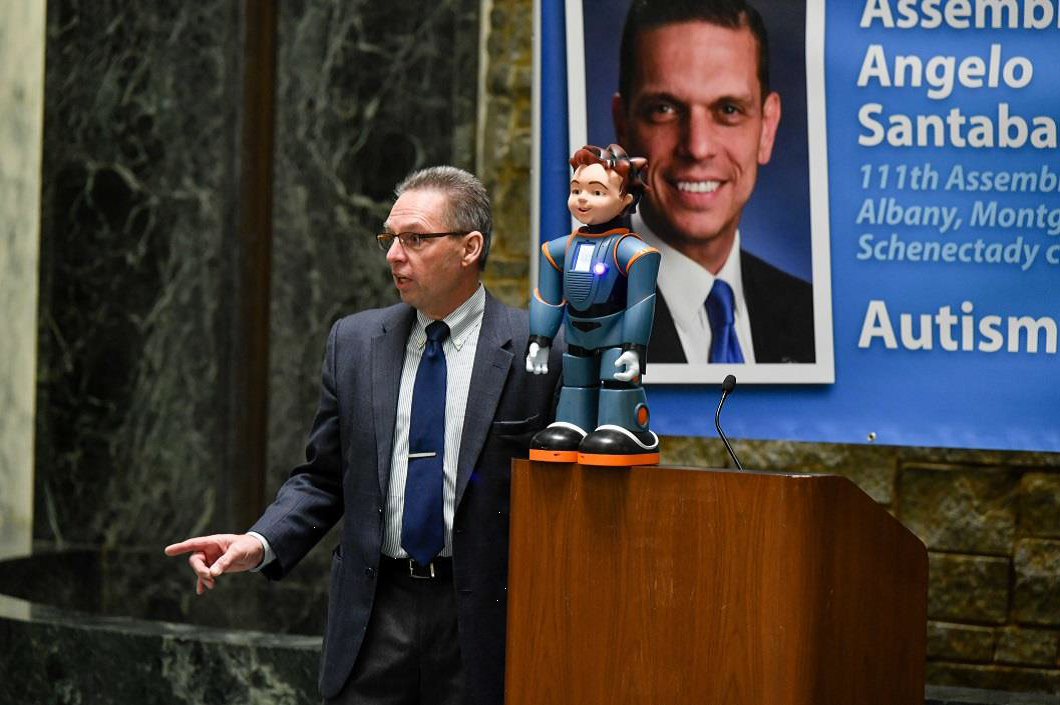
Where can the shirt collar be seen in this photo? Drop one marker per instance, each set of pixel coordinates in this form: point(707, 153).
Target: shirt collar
point(462, 321)
point(683, 282)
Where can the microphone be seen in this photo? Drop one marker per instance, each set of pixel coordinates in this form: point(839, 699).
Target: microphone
point(726, 388)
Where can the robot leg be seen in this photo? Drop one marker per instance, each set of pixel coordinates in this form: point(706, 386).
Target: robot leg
point(622, 436)
point(576, 412)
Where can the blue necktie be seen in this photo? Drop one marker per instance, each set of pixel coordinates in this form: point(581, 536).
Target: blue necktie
point(422, 524)
point(724, 346)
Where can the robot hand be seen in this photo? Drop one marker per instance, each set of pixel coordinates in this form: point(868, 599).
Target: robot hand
point(537, 359)
point(631, 362)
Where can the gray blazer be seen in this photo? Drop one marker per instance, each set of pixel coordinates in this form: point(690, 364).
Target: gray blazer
point(347, 470)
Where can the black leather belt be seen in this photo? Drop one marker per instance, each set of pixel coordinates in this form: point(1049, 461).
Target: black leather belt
point(438, 568)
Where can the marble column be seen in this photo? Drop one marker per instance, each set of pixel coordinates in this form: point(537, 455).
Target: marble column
point(140, 152)
point(21, 116)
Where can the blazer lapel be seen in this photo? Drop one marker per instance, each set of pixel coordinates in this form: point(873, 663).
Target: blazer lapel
point(763, 325)
point(493, 359)
point(664, 344)
point(388, 357)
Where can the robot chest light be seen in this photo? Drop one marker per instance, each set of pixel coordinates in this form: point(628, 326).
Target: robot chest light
point(591, 273)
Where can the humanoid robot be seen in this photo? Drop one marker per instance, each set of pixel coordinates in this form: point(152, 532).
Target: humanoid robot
point(600, 279)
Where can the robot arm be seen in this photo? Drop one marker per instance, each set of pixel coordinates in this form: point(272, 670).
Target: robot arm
point(640, 263)
point(546, 306)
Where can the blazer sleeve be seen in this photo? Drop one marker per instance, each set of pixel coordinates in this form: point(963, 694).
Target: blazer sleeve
point(310, 502)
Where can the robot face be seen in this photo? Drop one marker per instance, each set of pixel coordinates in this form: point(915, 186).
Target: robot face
point(595, 195)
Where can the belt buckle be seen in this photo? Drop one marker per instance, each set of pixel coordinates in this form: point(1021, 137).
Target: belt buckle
point(414, 574)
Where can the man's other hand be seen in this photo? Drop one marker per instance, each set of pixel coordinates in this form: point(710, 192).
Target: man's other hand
point(211, 556)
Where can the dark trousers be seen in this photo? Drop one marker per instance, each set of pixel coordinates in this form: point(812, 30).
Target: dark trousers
point(410, 654)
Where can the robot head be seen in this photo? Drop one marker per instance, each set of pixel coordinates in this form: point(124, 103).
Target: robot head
point(606, 183)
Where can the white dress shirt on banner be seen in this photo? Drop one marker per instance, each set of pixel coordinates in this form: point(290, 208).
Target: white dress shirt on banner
point(685, 286)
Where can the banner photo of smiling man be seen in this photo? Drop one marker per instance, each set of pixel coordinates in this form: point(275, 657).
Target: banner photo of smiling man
point(874, 181)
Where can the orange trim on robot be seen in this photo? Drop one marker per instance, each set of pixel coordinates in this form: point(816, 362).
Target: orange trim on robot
point(634, 258)
point(606, 233)
point(537, 295)
point(554, 456)
point(544, 250)
point(613, 461)
point(566, 248)
point(614, 253)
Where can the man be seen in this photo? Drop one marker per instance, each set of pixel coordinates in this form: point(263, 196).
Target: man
point(694, 98)
point(422, 406)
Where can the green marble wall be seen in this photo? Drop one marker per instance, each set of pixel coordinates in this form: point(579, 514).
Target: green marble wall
point(366, 92)
point(135, 430)
point(21, 115)
point(134, 300)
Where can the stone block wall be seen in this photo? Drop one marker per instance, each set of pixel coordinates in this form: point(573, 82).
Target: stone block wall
point(990, 523)
point(504, 153)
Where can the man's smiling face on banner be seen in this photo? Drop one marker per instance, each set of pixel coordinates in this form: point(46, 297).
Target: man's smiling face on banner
point(696, 111)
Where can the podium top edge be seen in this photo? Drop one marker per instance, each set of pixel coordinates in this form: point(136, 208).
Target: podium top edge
point(691, 468)
point(745, 471)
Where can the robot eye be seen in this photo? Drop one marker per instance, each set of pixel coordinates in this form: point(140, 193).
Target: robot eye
point(599, 268)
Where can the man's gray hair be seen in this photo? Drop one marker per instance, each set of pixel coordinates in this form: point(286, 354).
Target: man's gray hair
point(468, 203)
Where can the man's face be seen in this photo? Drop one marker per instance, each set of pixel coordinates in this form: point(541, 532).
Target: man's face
point(695, 110)
point(596, 194)
point(435, 278)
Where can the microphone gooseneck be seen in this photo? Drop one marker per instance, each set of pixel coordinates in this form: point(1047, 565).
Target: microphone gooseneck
point(726, 387)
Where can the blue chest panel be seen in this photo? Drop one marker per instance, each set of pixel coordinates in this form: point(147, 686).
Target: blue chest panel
point(589, 274)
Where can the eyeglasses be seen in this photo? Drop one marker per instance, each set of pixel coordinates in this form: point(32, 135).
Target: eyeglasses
point(409, 241)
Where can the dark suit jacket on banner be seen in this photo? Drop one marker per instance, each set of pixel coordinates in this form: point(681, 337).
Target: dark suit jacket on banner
point(348, 467)
point(780, 308)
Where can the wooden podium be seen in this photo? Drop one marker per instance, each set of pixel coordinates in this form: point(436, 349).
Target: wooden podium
point(668, 585)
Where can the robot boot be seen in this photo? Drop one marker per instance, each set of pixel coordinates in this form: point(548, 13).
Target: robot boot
point(559, 441)
point(623, 437)
point(617, 446)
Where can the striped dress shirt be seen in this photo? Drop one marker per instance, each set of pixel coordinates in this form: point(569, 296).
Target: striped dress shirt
point(459, 349)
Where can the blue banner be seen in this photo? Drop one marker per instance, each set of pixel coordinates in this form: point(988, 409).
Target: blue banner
point(913, 193)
